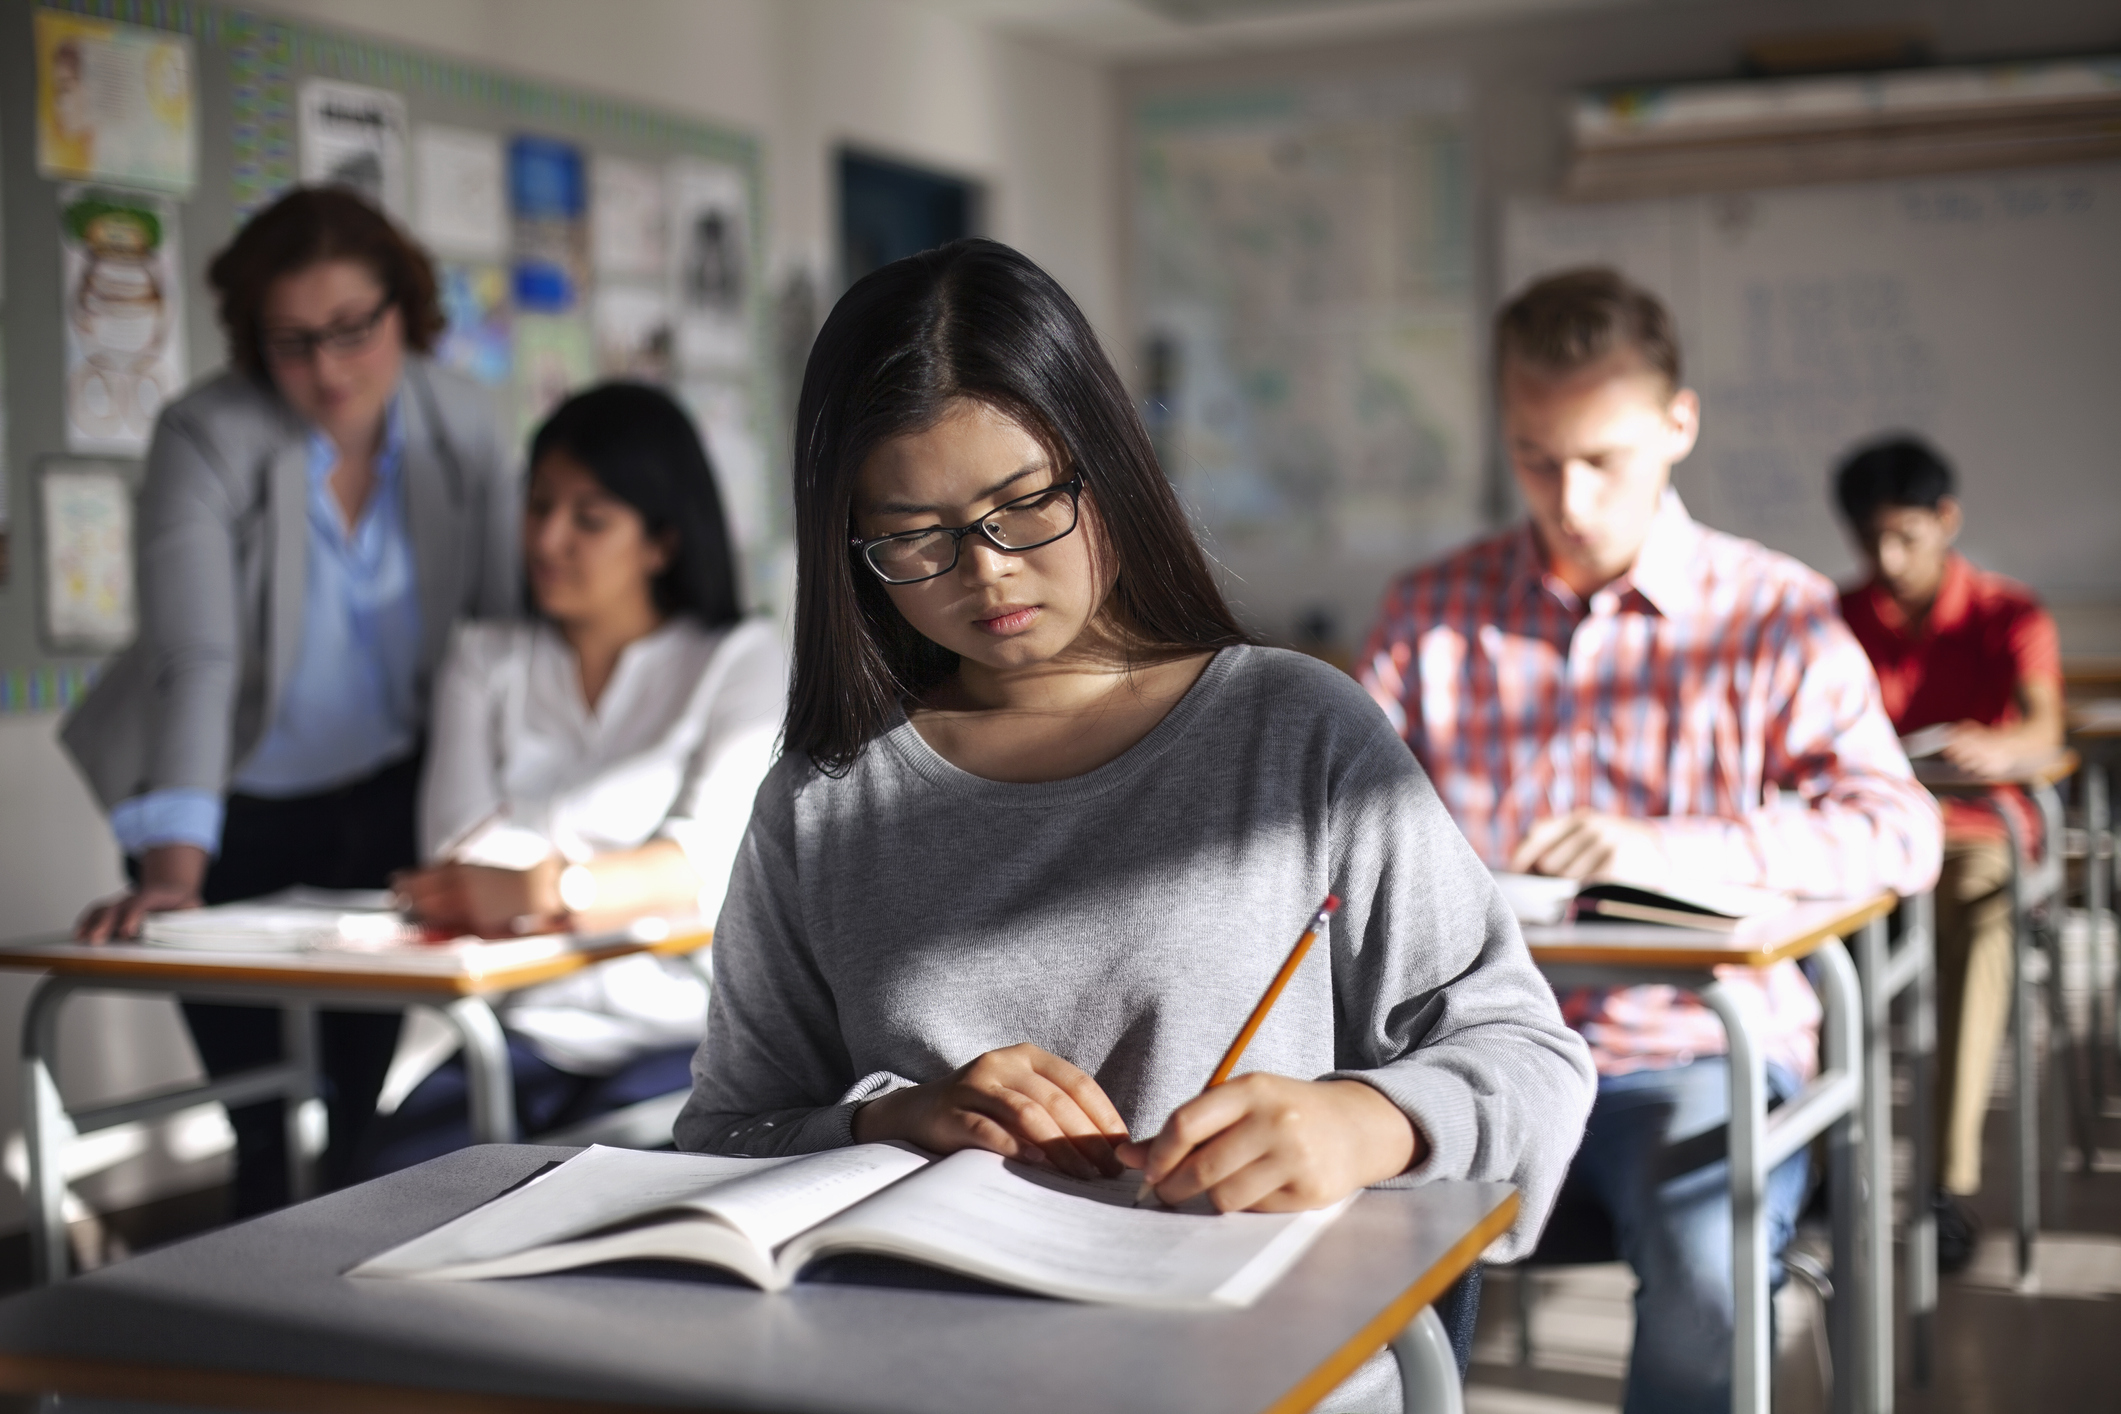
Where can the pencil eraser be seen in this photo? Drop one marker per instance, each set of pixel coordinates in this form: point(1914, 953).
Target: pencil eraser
point(1332, 903)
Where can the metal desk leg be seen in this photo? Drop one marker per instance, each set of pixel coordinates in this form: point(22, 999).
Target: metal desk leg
point(1920, 915)
point(1752, 1356)
point(298, 1044)
point(1428, 1370)
point(2025, 1110)
point(487, 1077)
point(2098, 898)
point(1859, 1352)
point(1875, 1324)
point(44, 1133)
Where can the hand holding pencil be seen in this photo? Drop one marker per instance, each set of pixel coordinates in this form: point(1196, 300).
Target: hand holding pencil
point(1270, 1143)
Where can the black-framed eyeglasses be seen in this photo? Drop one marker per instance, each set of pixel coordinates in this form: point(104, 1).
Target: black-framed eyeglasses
point(1014, 526)
point(348, 336)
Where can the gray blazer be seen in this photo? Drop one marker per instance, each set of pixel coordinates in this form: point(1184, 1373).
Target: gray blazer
point(223, 551)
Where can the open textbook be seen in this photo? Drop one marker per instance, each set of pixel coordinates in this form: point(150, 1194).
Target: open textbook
point(1538, 898)
point(765, 1219)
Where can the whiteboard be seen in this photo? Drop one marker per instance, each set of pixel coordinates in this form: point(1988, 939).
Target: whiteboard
point(1983, 312)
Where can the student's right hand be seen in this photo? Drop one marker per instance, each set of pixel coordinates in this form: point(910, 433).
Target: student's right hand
point(170, 876)
point(1020, 1102)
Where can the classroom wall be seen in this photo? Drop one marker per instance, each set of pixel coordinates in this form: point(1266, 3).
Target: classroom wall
point(892, 76)
point(1520, 73)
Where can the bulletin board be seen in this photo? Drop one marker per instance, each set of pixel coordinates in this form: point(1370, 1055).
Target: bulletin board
point(576, 237)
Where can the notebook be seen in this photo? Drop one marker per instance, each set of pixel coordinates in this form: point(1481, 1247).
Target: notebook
point(766, 1219)
point(1538, 899)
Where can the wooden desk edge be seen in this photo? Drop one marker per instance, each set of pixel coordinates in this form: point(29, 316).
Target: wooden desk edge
point(1803, 945)
point(2063, 763)
point(176, 971)
point(1374, 1336)
point(243, 1389)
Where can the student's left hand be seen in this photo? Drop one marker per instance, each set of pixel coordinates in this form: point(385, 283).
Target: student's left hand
point(1584, 844)
point(1983, 751)
point(1275, 1145)
point(476, 898)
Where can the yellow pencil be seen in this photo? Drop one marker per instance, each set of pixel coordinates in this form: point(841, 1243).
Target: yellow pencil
point(1259, 1013)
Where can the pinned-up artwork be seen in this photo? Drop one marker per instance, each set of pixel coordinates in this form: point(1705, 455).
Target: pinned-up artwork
point(722, 409)
point(88, 557)
point(626, 218)
point(460, 207)
point(476, 338)
point(123, 295)
point(115, 103)
point(554, 356)
point(633, 332)
point(709, 256)
point(548, 199)
point(355, 137)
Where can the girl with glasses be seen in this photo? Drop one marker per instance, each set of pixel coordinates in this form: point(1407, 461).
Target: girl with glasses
point(1046, 823)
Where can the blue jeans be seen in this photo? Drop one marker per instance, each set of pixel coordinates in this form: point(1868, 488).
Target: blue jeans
point(1655, 1166)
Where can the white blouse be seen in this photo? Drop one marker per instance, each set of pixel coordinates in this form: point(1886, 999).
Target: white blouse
point(520, 768)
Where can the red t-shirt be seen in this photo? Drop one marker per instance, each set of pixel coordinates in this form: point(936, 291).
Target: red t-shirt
point(1984, 635)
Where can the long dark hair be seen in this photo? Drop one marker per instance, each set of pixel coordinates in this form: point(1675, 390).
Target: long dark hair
point(643, 449)
point(973, 320)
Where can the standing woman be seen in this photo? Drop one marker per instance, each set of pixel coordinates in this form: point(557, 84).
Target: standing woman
point(314, 522)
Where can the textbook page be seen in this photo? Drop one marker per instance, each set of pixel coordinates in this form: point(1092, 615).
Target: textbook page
point(972, 1213)
point(765, 1201)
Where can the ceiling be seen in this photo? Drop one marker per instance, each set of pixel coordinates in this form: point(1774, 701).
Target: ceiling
point(1178, 29)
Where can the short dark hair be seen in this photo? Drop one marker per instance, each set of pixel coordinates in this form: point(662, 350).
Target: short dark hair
point(1900, 470)
point(969, 320)
point(643, 449)
point(308, 225)
point(1572, 319)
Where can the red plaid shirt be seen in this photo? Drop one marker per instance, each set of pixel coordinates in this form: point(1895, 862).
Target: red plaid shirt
point(1712, 689)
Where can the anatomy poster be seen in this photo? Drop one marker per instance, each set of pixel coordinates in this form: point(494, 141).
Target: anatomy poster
point(88, 557)
point(123, 297)
point(115, 103)
point(709, 255)
point(354, 136)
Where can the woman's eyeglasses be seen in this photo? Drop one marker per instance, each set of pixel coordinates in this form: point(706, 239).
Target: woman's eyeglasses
point(348, 336)
point(1014, 526)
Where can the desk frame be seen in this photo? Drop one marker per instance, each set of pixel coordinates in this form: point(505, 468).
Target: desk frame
point(1832, 1104)
point(48, 1126)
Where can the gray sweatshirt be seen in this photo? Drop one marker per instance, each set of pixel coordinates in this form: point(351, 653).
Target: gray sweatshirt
point(883, 928)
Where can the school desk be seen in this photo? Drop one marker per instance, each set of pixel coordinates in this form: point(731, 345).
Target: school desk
point(1849, 1101)
point(2033, 883)
point(456, 980)
point(259, 1315)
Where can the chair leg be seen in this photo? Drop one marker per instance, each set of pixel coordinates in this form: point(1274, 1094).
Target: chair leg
point(1428, 1370)
point(1525, 1298)
point(2071, 1070)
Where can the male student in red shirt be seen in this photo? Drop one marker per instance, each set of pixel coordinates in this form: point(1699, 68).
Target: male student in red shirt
point(1972, 652)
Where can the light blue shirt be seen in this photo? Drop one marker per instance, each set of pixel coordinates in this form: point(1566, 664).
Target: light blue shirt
point(351, 701)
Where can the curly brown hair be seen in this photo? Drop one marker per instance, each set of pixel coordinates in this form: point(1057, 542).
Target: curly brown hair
point(307, 225)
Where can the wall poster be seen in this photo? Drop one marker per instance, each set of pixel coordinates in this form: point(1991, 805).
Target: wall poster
point(123, 291)
point(115, 103)
point(355, 137)
point(88, 557)
point(461, 208)
point(710, 246)
point(549, 201)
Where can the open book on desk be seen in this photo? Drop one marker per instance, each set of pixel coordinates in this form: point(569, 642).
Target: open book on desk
point(1539, 898)
point(766, 1219)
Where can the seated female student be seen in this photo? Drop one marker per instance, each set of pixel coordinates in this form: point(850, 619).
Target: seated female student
point(595, 763)
point(1045, 824)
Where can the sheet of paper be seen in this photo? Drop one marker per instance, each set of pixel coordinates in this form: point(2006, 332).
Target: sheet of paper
point(122, 289)
point(88, 557)
point(355, 136)
point(479, 338)
point(115, 103)
point(460, 206)
point(547, 202)
point(633, 332)
point(710, 256)
point(722, 409)
point(626, 217)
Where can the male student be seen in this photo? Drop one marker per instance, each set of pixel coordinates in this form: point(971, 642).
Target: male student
point(1973, 653)
point(1613, 691)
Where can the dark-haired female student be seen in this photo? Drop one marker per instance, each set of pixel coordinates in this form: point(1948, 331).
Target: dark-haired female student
point(595, 763)
point(1045, 824)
